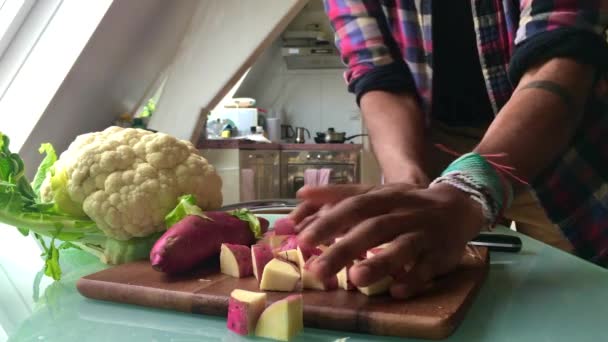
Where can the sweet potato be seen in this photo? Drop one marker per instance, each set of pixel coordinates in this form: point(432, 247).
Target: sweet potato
point(282, 320)
point(279, 275)
point(343, 279)
point(273, 239)
point(310, 281)
point(290, 255)
point(194, 239)
point(291, 242)
point(370, 253)
point(244, 310)
point(379, 287)
point(261, 254)
point(304, 253)
point(264, 224)
point(284, 226)
point(235, 260)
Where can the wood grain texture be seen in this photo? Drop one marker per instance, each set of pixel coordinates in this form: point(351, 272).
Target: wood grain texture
point(433, 315)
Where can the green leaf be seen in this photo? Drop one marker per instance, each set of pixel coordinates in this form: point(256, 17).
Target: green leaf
point(51, 264)
point(7, 184)
point(43, 169)
point(24, 231)
point(66, 245)
point(186, 205)
point(249, 217)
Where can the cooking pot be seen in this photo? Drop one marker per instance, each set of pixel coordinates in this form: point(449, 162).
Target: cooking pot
point(333, 137)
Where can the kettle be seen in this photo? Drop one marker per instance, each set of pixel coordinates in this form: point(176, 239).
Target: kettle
point(287, 132)
point(300, 138)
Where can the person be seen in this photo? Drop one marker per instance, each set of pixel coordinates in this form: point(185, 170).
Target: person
point(479, 113)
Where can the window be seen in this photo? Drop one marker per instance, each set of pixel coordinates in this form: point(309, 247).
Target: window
point(21, 23)
point(12, 15)
point(38, 57)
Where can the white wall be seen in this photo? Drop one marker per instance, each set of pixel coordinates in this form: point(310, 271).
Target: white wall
point(134, 41)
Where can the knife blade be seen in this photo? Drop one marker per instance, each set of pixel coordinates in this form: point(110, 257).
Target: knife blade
point(498, 242)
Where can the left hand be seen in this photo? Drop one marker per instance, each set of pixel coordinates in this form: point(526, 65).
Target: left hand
point(429, 229)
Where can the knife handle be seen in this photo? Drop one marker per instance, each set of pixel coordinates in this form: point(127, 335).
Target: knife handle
point(498, 242)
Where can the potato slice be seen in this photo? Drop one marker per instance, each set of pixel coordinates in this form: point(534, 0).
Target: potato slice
point(290, 255)
point(379, 287)
point(279, 275)
point(310, 281)
point(235, 260)
point(261, 254)
point(244, 310)
point(282, 320)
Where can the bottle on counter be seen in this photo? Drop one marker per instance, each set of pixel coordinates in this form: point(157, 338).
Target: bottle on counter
point(214, 129)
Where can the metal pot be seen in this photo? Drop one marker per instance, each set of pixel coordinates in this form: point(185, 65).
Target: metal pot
point(300, 137)
point(333, 137)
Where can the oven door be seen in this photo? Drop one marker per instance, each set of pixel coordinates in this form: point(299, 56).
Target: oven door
point(259, 175)
point(343, 166)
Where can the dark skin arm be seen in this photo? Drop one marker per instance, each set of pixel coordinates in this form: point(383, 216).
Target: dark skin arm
point(396, 127)
point(535, 126)
point(429, 228)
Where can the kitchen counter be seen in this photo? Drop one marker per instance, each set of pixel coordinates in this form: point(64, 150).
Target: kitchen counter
point(321, 147)
point(249, 145)
point(539, 294)
point(236, 144)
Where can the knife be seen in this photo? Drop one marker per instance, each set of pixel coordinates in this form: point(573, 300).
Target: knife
point(498, 242)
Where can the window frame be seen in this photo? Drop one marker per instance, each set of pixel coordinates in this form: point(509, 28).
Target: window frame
point(18, 17)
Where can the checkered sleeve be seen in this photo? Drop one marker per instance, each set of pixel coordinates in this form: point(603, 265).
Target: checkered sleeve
point(367, 47)
point(560, 28)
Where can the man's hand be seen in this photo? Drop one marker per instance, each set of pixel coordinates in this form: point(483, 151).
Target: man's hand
point(428, 228)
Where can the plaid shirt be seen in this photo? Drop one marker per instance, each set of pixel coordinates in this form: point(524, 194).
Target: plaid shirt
point(574, 190)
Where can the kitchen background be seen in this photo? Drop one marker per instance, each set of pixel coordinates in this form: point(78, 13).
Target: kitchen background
point(175, 61)
point(306, 94)
point(297, 81)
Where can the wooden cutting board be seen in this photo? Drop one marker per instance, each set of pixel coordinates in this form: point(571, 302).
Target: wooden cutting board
point(433, 315)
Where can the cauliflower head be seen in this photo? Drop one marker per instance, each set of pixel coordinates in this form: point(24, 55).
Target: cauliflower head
point(127, 180)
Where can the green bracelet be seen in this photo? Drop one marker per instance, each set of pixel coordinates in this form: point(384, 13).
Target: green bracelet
point(473, 174)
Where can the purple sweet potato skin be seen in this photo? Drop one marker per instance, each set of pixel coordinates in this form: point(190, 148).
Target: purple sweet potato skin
point(285, 226)
point(261, 254)
point(264, 224)
point(308, 251)
point(290, 243)
point(237, 317)
point(243, 256)
point(194, 239)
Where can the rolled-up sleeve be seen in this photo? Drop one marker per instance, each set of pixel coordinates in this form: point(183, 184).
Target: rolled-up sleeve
point(560, 28)
point(367, 47)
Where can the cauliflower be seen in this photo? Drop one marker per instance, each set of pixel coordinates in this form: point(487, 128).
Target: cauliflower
point(126, 180)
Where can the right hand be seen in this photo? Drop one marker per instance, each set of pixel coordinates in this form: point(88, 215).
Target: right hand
point(317, 199)
point(428, 230)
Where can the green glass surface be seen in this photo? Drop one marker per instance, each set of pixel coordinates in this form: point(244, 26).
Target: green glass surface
point(539, 294)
